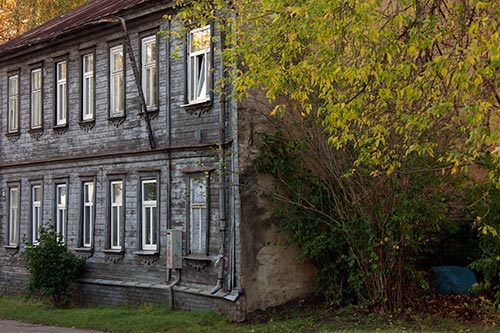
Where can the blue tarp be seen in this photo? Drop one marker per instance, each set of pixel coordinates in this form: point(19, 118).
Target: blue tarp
point(454, 280)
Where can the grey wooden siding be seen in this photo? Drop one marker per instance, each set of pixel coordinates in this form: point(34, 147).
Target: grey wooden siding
point(108, 149)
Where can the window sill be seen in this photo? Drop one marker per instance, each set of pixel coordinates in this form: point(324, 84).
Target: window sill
point(84, 252)
point(198, 261)
point(117, 120)
point(87, 125)
point(113, 255)
point(148, 256)
point(36, 133)
point(13, 136)
point(60, 129)
point(12, 249)
point(150, 113)
point(198, 107)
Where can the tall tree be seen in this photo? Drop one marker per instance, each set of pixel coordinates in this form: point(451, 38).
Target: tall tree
point(401, 92)
point(18, 16)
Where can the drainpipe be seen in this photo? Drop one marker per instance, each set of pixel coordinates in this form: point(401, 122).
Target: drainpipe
point(135, 68)
point(222, 177)
point(171, 291)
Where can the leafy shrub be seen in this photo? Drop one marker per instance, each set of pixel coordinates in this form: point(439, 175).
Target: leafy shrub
point(52, 267)
point(487, 211)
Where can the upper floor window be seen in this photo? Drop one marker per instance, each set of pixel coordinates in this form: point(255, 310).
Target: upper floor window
point(61, 209)
point(36, 98)
point(88, 91)
point(199, 65)
point(117, 81)
point(36, 212)
point(149, 216)
point(116, 214)
point(13, 216)
point(61, 94)
point(87, 214)
point(149, 76)
point(198, 215)
point(13, 114)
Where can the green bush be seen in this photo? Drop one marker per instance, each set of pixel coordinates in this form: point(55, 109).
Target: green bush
point(52, 267)
point(487, 211)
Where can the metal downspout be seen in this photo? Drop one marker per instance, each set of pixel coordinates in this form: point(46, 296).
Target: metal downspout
point(152, 142)
point(222, 177)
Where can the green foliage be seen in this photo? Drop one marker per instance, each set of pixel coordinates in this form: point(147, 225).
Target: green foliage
point(52, 267)
point(382, 105)
point(487, 211)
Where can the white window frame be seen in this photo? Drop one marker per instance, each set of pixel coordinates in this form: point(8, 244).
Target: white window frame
point(149, 208)
point(14, 204)
point(88, 87)
point(116, 230)
point(36, 213)
point(149, 82)
point(61, 209)
point(198, 229)
point(13, 106)
point(61, 93)
point(88, 200)
point(116, 92)
point(36, 98)
point(198, 68)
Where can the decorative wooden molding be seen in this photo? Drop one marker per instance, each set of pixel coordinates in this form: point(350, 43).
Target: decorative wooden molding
point(113, 256)
point(60, 129)
point(117, 121)
point(13, 137)
point(87, 125)
point(198, 262)
point(197, 109)
point(84, 252)
point(36, 133)
point(148, 257)
point(151, 114)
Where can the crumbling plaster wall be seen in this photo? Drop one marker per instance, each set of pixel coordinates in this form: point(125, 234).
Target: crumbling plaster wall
point(271, 274)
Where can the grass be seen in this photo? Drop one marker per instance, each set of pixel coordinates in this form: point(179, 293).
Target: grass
point(318, 319)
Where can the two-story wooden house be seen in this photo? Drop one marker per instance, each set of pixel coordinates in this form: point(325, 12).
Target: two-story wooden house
point(130, 154)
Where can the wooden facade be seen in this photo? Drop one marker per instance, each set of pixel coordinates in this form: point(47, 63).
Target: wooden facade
point(115, 172)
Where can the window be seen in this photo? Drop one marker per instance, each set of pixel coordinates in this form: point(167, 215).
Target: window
point(36, 212)
point(116, 214)
point(14, 216)
point(149, 77)
point(149, 215)
point(61, 94)
point(61, 209)
point(88, 214)
point(88, 87)
point(36, 98)
point(198, 215)
point(199, 65)
point(117, 82)
point(13, 121)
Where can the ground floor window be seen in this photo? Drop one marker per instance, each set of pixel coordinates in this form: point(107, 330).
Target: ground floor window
point(13, 216)
point(149, 215)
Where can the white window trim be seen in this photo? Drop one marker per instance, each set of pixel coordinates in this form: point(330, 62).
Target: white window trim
point(61, 94)
point(36, 213)
point(61, 208)
point(120, 219)
point(119, 73)
point(88, 92)
point(202, 227)
point(152, 99)
point(148, 205)
point(13, 96)
point(87, 230)
point(36, 99)
point(14, 216)
point(193, 83)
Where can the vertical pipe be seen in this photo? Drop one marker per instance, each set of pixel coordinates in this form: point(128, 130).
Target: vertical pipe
point(222, 176)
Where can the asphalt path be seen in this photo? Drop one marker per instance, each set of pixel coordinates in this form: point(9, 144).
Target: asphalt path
point(10, 326)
